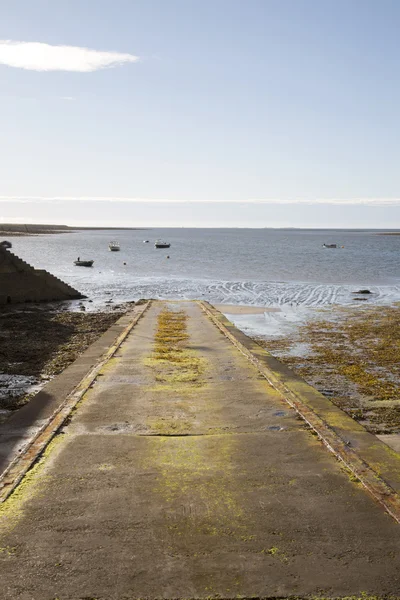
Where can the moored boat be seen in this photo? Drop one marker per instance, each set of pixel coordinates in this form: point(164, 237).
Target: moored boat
point(83, 263)
point(113, 247)
point(329, 245)
point(161, 244)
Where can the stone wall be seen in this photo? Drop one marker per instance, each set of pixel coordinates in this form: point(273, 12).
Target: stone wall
point(20, 282)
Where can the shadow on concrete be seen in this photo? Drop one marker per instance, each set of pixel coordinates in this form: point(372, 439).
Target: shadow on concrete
point(22, 426)
point(37, 339)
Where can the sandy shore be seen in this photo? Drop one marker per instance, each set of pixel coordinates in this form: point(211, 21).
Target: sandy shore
point(241, 309)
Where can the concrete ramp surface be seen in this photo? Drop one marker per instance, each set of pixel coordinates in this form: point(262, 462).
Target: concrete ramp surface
point(184, 474)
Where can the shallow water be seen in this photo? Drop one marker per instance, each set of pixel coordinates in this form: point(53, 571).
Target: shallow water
point(285, 268)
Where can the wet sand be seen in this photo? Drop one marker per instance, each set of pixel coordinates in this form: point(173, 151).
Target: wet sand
point(39, 341)
point(352, 356)
point(241, 309)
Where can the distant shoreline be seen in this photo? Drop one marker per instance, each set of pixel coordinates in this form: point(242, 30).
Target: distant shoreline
point(20, 229)
point(12, 229)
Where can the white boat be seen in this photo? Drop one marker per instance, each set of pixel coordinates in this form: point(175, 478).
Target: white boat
point(161, 244)
point(113, 247)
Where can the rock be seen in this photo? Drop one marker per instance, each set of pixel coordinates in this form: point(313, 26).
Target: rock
point(362, 292)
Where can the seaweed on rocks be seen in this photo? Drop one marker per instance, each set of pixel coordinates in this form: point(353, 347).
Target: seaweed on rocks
point(353, 357)
point(37, 343)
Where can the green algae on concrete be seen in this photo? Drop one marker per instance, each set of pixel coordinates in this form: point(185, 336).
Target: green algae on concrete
point(176, 368)
point(257, 510)
point(182, 463)
point(173, 361)
point(33, 484)
point(190, 473)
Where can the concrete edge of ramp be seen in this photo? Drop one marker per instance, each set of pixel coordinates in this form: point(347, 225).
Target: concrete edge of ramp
point(369, 459)
point(68, 399)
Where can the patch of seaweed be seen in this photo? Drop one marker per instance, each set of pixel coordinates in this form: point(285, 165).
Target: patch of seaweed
point(354, 359)
point(173, 362)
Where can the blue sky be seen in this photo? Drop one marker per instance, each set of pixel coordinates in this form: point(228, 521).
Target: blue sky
point(268, 113)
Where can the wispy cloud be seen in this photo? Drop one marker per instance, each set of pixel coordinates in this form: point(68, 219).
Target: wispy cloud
point(312, 201)
point(36, 56)
point(341, 201)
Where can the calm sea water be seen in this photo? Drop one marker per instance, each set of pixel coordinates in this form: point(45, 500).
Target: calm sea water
point(237, 266)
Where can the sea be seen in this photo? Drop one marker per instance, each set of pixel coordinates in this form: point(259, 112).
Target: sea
point(287, 269)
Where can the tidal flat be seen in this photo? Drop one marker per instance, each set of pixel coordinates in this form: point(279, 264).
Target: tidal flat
point(352, 356)
point(39, 341)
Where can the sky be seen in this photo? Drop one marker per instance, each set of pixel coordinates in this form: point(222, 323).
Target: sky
point(208, 113)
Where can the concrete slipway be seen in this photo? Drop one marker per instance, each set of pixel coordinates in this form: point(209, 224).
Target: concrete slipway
point(188, 475)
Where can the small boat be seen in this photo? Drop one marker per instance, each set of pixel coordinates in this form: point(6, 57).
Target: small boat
point(160, 244)
point(329, 245)
point(83, 263)
point(145, 241)
point(6, 244)
point(113, 247)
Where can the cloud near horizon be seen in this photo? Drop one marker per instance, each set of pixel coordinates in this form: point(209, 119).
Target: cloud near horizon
point(308, 201)
point(37, 56)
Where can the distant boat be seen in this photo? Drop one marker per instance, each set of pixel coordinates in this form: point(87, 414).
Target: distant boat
point(329, 245)
point(145, 241)
point(114, 247)
point(83, 263)
point(6, 244)
point(160, 244)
